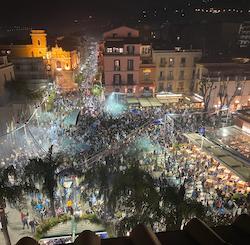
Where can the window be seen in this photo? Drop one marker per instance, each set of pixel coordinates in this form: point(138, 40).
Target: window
point(146, 50)
point(32, 54)
point(109, 50)
point(116, 79)
point(170, 75)
point(115, 35)
point(130, 49)
point(117, 65)
point(130, 65)
point(171, 61)
point(183, 61)
point(5, 78)
point(117, 50)
point(161, 77)
point(181, 77)
point(163, 61)
point(11, 76)
point(130, 79)
point(129, 34)
point(38, 42)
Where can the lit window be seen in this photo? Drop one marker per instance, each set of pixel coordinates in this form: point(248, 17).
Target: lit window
point(171, 61)
point(109, 50)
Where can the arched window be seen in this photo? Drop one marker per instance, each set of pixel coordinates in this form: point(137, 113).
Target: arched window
point(39, 43)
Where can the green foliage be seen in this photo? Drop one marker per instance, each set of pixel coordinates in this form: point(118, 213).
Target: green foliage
point(97, 90)
point(46, 172)
point(47, 224)
point(79, 78)
point(10, 191)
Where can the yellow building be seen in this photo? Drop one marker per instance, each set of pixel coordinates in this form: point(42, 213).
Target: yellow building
point(56, 58)
point(37, 48)
point(175, 69)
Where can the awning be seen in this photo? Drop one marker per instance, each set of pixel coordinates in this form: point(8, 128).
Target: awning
point(144, 102)
point(132, 101)
point(71, 119)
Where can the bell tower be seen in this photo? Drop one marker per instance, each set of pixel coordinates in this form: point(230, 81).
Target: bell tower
point(39, 43)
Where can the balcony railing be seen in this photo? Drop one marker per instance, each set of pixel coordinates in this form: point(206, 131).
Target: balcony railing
point(163, 64)
point(161, 78)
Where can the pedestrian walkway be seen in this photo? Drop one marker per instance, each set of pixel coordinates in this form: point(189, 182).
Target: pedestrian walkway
point(15, 227)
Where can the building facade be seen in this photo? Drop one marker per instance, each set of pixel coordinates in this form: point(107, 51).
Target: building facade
point(6, 72)
point(126, 63)
point(244, 35)
point(37, 47)
point(56, 60)
point(121, 60)
point(175, 69)
point(230, 81)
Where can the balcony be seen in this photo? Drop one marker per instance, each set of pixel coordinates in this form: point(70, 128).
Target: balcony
point(163, 64)
point(170, 78)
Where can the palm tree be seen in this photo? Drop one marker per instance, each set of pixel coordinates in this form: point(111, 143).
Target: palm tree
point(134, 191)
point(46, 171)
point(99, 178)
point(175, 208)
point(11, 190)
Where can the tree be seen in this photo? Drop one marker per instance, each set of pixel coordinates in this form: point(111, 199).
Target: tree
point(100, 178)
point(11, 190)
point(134, 191)
point(175, 207)
point(79, 78)
point(225, 97)
point(46, 171)
point(206, 88)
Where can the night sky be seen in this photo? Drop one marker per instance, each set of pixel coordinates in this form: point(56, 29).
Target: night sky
point(49, 11)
